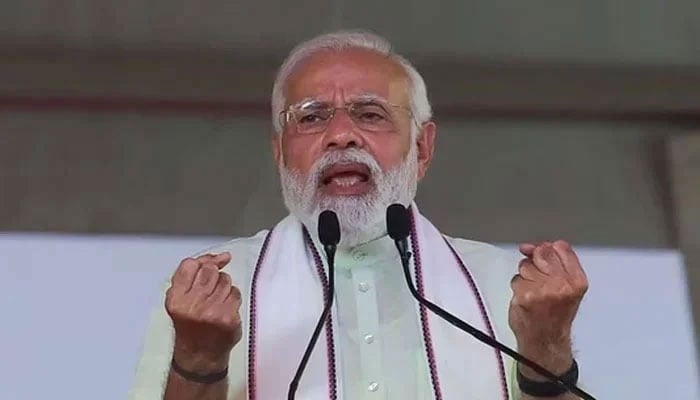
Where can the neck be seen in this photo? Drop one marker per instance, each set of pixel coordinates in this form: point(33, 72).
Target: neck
point(354, 238)
point(348, 239)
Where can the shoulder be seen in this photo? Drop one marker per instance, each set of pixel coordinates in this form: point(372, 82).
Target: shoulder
point(244, 253)
point(492, 269)
point(243, 246)
point(485, 257)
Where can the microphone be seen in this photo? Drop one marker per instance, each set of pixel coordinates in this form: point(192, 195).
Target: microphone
point(329, 235)
point(398, 223)
point(398, 226)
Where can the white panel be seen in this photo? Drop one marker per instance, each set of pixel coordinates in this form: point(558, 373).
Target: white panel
point(75, 309)
point(635, 326)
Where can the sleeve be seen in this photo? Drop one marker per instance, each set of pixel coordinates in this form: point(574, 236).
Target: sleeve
point(515, 393)
point(499, 294)
point(154, 365)
point(502, 266)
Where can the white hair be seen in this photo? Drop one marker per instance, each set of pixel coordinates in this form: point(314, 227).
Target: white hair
point(337, 41)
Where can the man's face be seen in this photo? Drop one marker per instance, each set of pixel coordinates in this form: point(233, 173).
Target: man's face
point(358, 160)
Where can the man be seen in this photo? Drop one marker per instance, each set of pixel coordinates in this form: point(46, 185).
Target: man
point(353, 134)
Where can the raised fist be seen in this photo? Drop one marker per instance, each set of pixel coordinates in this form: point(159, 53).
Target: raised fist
point(547, 293)
point(204, 307)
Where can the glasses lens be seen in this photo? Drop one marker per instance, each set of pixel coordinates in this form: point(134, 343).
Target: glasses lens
point(312, 119)
point(371, 116)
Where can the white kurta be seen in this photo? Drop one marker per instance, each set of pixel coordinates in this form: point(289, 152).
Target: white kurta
point(379, 344)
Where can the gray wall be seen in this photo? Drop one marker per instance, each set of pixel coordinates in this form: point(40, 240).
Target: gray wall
point(598, 183)
point(606, 31)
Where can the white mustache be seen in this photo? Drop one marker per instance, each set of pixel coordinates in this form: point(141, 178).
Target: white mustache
point(362, 217)
point(350, 156)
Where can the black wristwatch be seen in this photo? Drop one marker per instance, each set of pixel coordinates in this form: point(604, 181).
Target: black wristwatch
point(547, 388)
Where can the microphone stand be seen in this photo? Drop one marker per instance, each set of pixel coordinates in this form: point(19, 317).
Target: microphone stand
point(329, 235)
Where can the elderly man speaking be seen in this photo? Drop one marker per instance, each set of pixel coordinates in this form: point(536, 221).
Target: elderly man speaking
point(353, 134)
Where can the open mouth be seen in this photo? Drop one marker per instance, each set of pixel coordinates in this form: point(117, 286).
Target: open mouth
point(346, 178)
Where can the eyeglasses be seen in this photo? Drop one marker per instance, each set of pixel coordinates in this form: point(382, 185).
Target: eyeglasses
point(371, 116)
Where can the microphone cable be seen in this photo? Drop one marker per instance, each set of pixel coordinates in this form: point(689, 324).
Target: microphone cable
point(398, 227)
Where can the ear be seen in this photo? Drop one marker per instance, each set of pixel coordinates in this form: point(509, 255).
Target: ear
point(276, 142)
point(426, 143)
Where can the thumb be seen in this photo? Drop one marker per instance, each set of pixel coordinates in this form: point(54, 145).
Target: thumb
point(222, 259)
point(527, 249)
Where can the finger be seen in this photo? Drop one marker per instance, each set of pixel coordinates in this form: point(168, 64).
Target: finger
point(539, 261)
point(206, 279)
point(569, 259)
point(235, 294)
point(518, 285)
point(527, 269)
point(547, 261)
point(524, 292)
point(230, 311)
point(517, 282)
point(526, 249)
point(205, 258)
point(233, 301)
point(222, 259)
point(223, 288)
point(185, 274)
point(514, 280)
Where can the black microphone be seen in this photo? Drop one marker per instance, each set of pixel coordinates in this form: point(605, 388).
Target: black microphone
point(329, 235)
point(398, 223)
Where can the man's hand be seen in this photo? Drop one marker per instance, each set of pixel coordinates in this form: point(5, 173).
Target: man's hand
point(204, 307)
point(547, 293)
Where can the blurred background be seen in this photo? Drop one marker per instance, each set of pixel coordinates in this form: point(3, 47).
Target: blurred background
point(577, 119)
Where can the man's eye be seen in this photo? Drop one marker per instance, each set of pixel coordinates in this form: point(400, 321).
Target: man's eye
point(371, 113)
point(370, 116)
point(311, 118)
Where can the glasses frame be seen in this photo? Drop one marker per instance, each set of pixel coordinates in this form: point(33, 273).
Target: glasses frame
point(289, 113)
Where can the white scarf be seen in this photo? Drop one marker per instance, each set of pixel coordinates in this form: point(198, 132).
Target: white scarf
point(286, 298)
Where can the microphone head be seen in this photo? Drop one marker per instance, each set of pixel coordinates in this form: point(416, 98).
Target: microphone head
point(328, 228)
point(398, 222)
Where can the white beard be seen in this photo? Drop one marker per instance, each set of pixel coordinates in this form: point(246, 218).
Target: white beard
point(362, 218)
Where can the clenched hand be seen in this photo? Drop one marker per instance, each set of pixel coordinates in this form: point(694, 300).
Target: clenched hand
point(204, 307)
point(547, 293)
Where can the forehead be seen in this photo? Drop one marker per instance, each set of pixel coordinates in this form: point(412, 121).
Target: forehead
point(347, 73)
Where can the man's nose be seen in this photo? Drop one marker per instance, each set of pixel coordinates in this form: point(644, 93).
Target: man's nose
point(341, 132)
